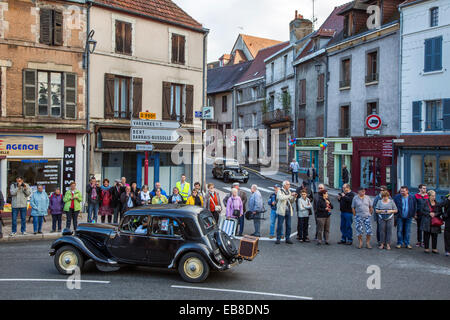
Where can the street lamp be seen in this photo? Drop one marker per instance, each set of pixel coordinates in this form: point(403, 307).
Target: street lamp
point(89, 48)
point(318, 67)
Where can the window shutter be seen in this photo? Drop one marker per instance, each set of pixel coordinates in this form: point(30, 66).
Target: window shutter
point(189, 103)
point(174, 48)
point(166, 100)
point(301, 129)
point(70, 96)
point(181, 42)
point(137, 97)
point(428, 55)
point(446, 114)
point(319, 126)
point(303, 91)
point(320, 91)
point(29, 92)
point(128, 38)
point(109, 95)
point(119, 37)
point(417, 116)
point(45, 33)
point(57, 28)
point(437, 56)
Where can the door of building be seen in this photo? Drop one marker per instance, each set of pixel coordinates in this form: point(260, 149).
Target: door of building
point(370, 173)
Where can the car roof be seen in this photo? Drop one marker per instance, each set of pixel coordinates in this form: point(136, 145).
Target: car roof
point(173, 209)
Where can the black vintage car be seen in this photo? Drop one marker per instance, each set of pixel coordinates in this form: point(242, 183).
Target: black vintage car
point(229, 170)
point(180, 237)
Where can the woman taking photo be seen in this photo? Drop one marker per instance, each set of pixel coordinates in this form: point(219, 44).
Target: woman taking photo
point(431, 222)
point(106, 209)
point(385, 210)
point(144, 196)
point(195, 199)
point(324, 208)
point(176, 197)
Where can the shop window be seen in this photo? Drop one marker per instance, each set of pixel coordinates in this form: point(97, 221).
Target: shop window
point(444, 172)
point(434, 115)
point(372, 67)
point(416, 170)
point(123, 37)
point(178, 48)
point(36, 171)
point(370, 172)
point(429, 171)
point(51, 27)
point(170, 173)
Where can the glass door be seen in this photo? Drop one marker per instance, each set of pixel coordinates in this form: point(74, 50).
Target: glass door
point(370, 175)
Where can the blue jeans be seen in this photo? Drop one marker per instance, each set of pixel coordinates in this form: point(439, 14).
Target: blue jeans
point(37, 223)
point(295, 175)
point(241, 224)
point(346, 226)
point(257, 223)
point(273, 220)
point(23, 219)
point(92, 207)
point(284, 219)
point(403, 231)
point(312, 183)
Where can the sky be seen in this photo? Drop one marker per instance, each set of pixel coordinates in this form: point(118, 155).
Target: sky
point(261, 18)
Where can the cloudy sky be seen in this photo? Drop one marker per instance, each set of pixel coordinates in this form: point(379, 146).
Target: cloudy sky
point(263, 18)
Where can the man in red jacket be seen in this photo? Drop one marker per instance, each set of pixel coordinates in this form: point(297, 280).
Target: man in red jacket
point(421, 197)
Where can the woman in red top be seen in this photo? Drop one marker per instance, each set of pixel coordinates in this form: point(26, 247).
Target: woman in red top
point(105, 202)
point(212, 202)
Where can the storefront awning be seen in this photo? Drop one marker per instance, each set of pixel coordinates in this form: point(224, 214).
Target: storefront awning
point(115, 135)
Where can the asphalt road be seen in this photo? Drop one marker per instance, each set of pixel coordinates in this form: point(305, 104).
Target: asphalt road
point(298, 271)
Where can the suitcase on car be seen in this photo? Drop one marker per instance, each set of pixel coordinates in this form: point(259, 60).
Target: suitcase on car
point(248, 247)
point(228, 226)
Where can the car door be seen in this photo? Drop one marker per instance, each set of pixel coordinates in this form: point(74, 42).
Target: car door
point(165, 239)
point(128, 245)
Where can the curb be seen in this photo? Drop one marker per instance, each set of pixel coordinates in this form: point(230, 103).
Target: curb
point(31, 237)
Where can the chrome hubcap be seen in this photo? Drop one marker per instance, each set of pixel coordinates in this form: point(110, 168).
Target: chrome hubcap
point(193, 268)
point(68, 260)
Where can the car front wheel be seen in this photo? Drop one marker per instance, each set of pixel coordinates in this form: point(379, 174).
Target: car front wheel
point(193, 268)
point(68, 259)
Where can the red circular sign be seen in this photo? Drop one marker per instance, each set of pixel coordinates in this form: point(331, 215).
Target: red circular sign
point(373, 122)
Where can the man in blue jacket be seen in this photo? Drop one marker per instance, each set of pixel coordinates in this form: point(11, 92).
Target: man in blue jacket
point(406, 205)
point(158, 186)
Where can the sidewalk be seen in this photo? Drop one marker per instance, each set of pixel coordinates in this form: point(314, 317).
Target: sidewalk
point(46, 228)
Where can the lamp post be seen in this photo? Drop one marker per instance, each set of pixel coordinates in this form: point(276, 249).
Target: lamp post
point(89, 48)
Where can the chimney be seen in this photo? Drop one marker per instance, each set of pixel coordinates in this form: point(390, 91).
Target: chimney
point(299, 27)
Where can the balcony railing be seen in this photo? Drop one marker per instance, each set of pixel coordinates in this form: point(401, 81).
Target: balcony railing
point(372, 78)
point(344, 83)
point(277, 115)
point(343, 133)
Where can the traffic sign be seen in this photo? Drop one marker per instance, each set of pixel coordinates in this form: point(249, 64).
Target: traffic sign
point(373, 122)
point(154, 135)
point(149, 124)
point(147, 115)
point(198, 114)
point(144, 147)
point(208, 113)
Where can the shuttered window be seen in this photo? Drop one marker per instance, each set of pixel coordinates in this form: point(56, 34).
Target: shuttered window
point(446, 114)
point(123, 96)
point(417, 116)
point(320, 87)
point(301, 128)
point(433, 54)
point(123, 37)
point(224, 104)
point(51, 27)
point(178, 48)
point(319, 126)
point(178, 102)
point(302, 92)
point(49, 94)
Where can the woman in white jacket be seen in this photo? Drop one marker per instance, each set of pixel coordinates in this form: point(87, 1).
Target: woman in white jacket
point(305, 209)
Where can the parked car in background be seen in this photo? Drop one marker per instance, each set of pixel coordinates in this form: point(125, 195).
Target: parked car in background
point(229, 170)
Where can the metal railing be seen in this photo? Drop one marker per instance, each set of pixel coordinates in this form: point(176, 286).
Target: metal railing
point(277, 115)
point(344, 132)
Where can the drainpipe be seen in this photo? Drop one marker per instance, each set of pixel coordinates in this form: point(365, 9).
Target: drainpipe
point(395, 173)
point(205, 43)
point(88, 137)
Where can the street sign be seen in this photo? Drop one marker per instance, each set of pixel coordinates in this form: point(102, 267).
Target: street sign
point(208, 113)
point(372, 132)
point(198, 114)
point(153, 135)
point(148, 124)
point(373, 122)
point(144, 147)
point(147, 115)
point(398, 141)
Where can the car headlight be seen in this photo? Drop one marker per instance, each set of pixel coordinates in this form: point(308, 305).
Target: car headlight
point(245, 172)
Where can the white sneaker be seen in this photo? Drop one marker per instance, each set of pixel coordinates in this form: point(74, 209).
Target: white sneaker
point(12, 234)
point(24, 233)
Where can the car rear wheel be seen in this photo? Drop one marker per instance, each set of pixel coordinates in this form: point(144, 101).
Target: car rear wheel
point(193, 268)
point(68, 259)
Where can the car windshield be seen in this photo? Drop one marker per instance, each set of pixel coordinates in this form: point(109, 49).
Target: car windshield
point(207, 221)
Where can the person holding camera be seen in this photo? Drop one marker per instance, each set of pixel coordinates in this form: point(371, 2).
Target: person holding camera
point(20, 192)
point(212, 202)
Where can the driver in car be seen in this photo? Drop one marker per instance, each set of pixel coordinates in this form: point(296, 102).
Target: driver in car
point(142, 229)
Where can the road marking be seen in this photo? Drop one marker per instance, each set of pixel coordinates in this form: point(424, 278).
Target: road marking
point(265, 190)
point(245, 189)
point(54, 280)
point(247, 292)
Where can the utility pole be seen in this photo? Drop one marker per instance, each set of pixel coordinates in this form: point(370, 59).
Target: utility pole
point(314, 19)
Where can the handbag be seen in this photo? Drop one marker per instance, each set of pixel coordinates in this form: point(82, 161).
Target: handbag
point(236, 213)
point(436, 222)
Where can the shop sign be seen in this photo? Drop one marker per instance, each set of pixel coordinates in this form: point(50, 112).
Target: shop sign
point(387, 148)
point(154, 135)
point(309, 142)
point(147, 115)
point(68, 167)
point(148, 124)
point(15, 145)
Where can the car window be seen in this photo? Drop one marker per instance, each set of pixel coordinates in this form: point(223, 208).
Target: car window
point(207, 221)
point(135, 224)
point(166, 226)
